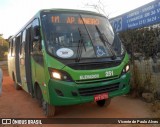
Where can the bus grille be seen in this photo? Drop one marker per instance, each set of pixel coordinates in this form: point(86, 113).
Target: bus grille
point(93, 66)
point(98, 90)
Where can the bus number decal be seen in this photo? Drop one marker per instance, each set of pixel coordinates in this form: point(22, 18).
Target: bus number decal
point(109, 73)
point(55, 19)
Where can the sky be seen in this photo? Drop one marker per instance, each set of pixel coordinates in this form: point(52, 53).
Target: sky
point(15, 13)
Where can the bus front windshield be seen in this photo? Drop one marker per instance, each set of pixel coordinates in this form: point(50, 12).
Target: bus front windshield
point(79, 36)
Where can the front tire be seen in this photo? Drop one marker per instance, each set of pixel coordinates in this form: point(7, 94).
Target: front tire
point(104, 102)
point(48, 109)
point(39, 96)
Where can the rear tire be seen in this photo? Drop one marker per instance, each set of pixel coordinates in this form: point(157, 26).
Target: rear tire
point(16, 86)
point(105, 102)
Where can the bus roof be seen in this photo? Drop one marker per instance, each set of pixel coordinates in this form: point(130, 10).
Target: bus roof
point(57, 10)
point(70, 10)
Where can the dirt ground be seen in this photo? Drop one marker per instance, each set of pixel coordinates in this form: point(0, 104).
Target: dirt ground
point(19, 104)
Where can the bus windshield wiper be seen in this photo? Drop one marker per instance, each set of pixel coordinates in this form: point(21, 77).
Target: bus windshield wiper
point(79, 48)
point(105, 42)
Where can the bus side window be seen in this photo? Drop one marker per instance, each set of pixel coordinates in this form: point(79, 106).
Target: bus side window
point(22, 48)
point(36, 46)
point(9, 48)
point(29, 36)
point(13, 47)
point(17, 42)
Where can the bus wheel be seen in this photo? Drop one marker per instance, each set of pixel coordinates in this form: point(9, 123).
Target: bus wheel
point(17, 87)
point(105, 102)
point(49, 110)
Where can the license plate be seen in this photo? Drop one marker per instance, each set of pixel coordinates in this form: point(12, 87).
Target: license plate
point(101, 96)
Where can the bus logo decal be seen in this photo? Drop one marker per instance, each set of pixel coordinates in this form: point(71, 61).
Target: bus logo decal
point(94, 76)
point(64, 52)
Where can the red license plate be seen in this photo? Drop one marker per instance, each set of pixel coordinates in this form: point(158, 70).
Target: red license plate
point(101, 96)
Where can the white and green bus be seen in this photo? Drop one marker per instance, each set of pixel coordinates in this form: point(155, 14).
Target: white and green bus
point(66, 57)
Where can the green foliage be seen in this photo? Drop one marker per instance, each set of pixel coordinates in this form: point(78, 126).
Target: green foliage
point(145, 41)
point(3, 48)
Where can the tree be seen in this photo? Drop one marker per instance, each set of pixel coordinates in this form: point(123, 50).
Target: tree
point(3, 48)
point(99, 6)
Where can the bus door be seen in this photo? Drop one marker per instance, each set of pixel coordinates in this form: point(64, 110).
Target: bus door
point(38, 68)
point(17, 60)
point(22, 62)
point(28, 62)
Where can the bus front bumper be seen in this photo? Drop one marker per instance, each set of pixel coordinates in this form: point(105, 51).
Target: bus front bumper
point(68, 93)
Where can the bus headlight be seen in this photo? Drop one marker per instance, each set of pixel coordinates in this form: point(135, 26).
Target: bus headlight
point(59, 75)
point(56, 75)
point(126, 69)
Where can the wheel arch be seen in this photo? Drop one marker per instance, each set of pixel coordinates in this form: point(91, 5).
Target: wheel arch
point(36, 88)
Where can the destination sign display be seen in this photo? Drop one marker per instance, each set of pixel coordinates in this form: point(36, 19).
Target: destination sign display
point(143, 16)
point(75, 20)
